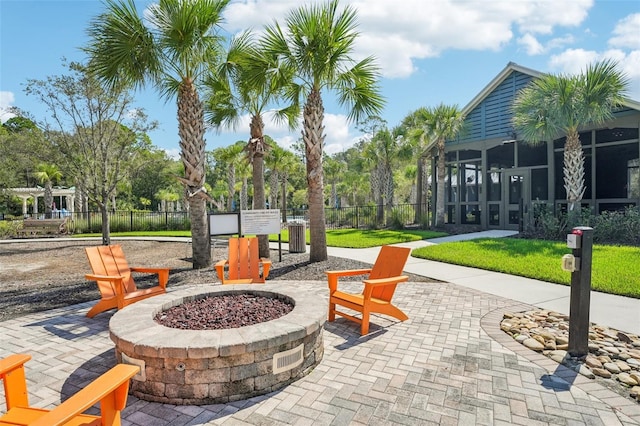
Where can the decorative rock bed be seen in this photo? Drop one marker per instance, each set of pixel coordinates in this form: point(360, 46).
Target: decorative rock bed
point(612, 354)
point(196, 367)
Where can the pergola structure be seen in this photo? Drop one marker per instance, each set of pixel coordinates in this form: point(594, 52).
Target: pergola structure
point(37, 192)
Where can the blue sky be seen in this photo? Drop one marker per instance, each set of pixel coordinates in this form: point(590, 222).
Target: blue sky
point(430, 52)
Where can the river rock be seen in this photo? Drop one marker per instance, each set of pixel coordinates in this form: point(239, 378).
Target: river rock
point(602, 373)
point(626, 379)
point(558, 356)
point(612, 367)
point(592, 362)
point(635, 392)
point(623, 366)
point(533, 344)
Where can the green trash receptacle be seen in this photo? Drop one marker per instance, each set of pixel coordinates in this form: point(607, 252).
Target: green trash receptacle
point(297, 237)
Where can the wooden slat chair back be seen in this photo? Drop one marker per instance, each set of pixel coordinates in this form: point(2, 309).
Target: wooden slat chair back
point(114, 278)
point(245, 266)
point(378, 291)
point(110, 390)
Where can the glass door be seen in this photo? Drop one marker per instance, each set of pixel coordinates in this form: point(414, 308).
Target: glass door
point(516, 199)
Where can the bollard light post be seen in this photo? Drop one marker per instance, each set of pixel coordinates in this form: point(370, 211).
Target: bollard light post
point(579, 264)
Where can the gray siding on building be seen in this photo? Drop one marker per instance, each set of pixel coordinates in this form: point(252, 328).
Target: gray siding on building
point(492, 117)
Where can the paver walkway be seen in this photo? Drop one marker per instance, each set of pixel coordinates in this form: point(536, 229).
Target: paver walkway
point(448, 364)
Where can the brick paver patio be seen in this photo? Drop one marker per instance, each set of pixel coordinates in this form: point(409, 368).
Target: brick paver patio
point(448, 364)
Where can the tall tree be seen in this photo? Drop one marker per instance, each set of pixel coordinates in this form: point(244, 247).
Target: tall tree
point(243, 84)
point(555, 105)
point(89, 132)
point(440, 123)
point(418, 136)
point(48, 174)
point(315, 46)
point(173, 54)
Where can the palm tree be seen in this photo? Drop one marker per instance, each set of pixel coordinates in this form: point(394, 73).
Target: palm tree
point(230, 158)
point(241, 85)
point(556, 105)
point(48, 174)
point(315, 46)
point(418, 136)
point(173, 54)
point(440, 124)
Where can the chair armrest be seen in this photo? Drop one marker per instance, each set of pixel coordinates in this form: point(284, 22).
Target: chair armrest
point(348, 273)
point(266, 266)
point(220, 269)
point(110, 389)
point(386, 281)
point(112, 278)
point(163, 273)
point(117, 285)
point(15, 383)
point(369, 285)
point(333, 276)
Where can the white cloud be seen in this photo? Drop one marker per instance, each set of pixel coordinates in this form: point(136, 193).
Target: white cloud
point(173, 153)
point(627, 33)
point(398, 33)
point(6, 101)
point(531, 44)
point(574, 61)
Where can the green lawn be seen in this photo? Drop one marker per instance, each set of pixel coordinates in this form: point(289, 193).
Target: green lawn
point(351, 238)
point(356, 238)
point(615, 269)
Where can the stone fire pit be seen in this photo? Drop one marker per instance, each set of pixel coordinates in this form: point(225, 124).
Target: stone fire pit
point(196, 367)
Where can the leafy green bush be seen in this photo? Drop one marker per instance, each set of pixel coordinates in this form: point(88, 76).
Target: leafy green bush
point(9, 228)
point(609, 227)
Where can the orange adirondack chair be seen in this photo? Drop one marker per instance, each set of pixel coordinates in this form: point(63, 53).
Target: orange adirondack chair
point(110, 390)
point(115, 281)
point(378, 288)
point(243, 263)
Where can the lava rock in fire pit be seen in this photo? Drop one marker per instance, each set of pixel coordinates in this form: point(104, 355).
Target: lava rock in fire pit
point(223, 312)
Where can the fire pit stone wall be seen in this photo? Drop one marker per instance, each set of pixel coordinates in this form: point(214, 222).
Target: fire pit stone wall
point(196, 367)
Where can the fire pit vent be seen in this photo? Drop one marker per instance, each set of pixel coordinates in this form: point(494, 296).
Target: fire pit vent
point(286, 360)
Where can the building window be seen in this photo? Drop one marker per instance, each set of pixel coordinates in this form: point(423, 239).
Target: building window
point(532, 155)
point(494, 188)
point(617, 134)
point(616, 167)
point(539, 184)
point(501, 156)
point(469, 154)
point(451, 214)
point(451, 183)
point(494, 214)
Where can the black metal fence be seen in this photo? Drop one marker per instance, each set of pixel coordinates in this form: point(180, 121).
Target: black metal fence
point(354, 217)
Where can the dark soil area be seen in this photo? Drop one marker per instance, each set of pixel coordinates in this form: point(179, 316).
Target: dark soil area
point(49, 273)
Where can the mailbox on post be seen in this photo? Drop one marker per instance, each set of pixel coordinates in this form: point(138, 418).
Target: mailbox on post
point(580, 240)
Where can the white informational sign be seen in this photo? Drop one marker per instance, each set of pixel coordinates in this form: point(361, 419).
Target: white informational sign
point(260, 222)
point(223, 224)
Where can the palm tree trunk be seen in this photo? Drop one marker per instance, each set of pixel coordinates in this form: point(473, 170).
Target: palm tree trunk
point(573, 171)
point(441, 187)
point(48, 199)
point(419, 185)
point(192, 144)
point(231, 186)
point(313, 140)
point(257, 149)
